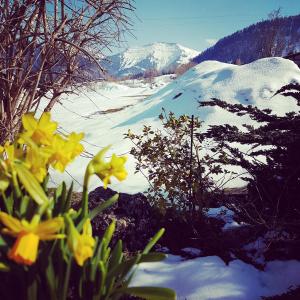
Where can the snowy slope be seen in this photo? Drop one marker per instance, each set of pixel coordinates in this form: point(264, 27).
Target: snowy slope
point(108, 112)
point(157, 56)
point(254, 84)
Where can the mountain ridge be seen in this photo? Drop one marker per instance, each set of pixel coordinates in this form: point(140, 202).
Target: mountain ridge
point(159, 57)
point(276, 37)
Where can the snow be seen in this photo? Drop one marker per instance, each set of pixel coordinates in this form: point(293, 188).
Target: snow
point(207, 278)
point(191, 251)
point(156, 56)
point(106, 113)
point(224, 214)
point(254, 84)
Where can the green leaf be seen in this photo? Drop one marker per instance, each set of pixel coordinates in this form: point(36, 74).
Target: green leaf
point(60, 198)
point(103, 272)
point(117, 255)
point(151, 293)
point(8, 203)
point(51, 279)
point(109, 232)
point(121, 270)
point(68, 198)
point(32, 290)
point(97, 210)
point(24, 205)
point(154, 240)
point(31, 185)
point(66, 280)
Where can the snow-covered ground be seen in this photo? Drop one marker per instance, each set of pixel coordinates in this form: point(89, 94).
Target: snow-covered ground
point(106, 113)
point(207, 278)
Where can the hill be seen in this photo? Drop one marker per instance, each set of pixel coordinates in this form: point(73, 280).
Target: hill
point(277, 37)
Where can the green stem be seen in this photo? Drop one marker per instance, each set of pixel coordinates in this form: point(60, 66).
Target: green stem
point(5, 201)
point(16, 185)
point(85, 195)
point(66, 281)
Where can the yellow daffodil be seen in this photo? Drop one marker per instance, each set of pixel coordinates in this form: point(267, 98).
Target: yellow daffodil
point(105, 170)
point(60, 154)
point(37, 159)
point(37, 163)
point(73, 144)
point(64, 150)
point(28, 234)
point(40, 131)
point(81, 245)
point(113, 168)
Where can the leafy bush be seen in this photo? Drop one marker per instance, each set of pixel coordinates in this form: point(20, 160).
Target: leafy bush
point(274, 186)
point(180, 176)
point(47, 249)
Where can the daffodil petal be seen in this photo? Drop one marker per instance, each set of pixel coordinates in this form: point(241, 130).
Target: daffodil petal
point(29, 122)
point(49, 237)
point(49, 227)
point(13, 224)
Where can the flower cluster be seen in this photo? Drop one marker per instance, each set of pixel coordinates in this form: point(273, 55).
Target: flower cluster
point(47, 243)
point(38, 147)
point(24, 165)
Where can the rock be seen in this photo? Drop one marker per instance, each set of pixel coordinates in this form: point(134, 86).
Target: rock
point(134, 224)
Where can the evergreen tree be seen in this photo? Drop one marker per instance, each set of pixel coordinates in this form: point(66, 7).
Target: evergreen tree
point(274, 187)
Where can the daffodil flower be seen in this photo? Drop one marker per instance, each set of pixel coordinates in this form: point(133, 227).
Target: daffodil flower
point(64, 150)
point(40, 131)
point(37, 159)
point(60, 155)
point(81, 245)
point(28, 235)
point(105, 170)
point(73, 144)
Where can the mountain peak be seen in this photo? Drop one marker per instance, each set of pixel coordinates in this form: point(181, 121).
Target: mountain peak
point(158, 56)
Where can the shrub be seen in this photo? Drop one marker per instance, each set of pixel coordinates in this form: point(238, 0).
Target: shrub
point(180, 176)
point(47, 249)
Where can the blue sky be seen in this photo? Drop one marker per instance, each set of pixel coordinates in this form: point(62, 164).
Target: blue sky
point(198, 23)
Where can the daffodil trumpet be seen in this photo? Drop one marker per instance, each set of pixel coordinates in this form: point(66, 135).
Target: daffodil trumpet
point(28, 235)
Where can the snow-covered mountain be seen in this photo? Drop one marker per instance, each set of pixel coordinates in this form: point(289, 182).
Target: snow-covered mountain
point(159, 57)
